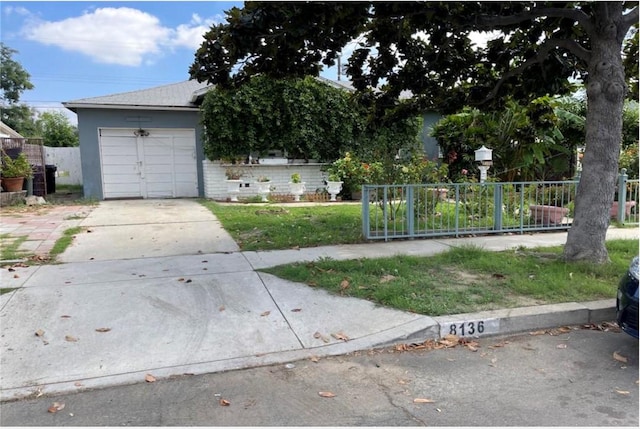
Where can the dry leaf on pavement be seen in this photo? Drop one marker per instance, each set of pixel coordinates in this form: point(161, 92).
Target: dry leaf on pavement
point(55, 407)
point(149, 378)
point(319, 336)
point(622, 392)
point(224, 402)
point(340, 336)
point(423, 401)
point(39, 333)
point(103, 329)
point(619, 357)
point(70, 338)
point(327, 394)
point(266, 313)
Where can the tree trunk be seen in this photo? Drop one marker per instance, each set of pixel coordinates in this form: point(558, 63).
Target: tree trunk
point(606, 90)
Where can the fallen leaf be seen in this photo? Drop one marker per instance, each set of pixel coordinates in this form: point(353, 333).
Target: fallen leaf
point(39, 333)
point(15, 276)
point(103, 329)
point(387, 278)
point(224, 402)
point(537, 333)
point(78, 384)
point(319, 336)
point(340, 336)
point(497, 276)
point(423, 401)
point(181, 279)
point(70, 338)
point(64, 316)
point(188, 281)
point(622, 392)
point(221, 308)
point(149, 378)
point(296, 310)
point(619, 357)
point(55, 407)
point(327, 394)
point(344, 284)
point(266, 313)
point(561, 346)
point(314, 359)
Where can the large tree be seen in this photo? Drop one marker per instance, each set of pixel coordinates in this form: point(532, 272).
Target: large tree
point(426, 48)
point(14, 80)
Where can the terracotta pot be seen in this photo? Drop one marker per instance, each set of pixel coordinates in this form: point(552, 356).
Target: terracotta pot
point(548, 215)
point(13, 184)
point(613, 211)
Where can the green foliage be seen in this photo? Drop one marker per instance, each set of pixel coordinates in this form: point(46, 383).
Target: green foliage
point(295, 178)
point(629, 160)
point(527, 141)
point(56, 130)
point(302, 117)
point(14, 79)
point(18, 167)
point(630, 124)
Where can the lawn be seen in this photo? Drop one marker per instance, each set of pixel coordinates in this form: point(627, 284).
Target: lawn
point(269, 227)
point(467, 279)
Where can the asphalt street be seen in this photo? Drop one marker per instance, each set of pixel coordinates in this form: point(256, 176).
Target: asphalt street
point(559, 377)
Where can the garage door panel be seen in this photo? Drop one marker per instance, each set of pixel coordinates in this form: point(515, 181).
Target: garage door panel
point(160, 165)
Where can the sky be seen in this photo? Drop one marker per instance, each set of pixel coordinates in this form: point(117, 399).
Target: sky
point(80, 49)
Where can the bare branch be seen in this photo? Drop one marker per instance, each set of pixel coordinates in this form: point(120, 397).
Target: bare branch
point(542, 54)
point(574, 14)
point(630, 18)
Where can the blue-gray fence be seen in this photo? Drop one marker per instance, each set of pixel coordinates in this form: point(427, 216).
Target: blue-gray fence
point(454, 209)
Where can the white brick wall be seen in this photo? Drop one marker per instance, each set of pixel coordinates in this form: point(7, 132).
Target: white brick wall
point(215, 186)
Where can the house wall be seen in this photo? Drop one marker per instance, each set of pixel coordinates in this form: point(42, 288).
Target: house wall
point(91, 120)
point(430, 144)
point(215, 185)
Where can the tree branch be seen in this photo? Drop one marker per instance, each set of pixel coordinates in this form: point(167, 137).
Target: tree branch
point(553, 12)
point(549, 45)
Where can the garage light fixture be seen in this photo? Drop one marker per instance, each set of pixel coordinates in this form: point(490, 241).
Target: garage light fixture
point(141, 133)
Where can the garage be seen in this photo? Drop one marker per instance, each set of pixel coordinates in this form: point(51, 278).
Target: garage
point(148, 163)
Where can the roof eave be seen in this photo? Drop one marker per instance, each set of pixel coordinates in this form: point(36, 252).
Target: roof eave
point(74, 106)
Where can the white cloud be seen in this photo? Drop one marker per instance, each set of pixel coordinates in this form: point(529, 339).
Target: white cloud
point(123, 36)
point(190, 35)
point(17, 10)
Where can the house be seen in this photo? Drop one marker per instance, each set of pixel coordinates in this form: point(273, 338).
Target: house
point(149, 144)
point(7, 132)
point(142, 144)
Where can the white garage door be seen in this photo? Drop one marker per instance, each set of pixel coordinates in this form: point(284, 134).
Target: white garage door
point(161, 164)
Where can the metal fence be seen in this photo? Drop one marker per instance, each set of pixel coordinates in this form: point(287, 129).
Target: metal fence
point(454, 209)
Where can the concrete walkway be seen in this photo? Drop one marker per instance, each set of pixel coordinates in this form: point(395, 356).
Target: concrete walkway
point(117, 317)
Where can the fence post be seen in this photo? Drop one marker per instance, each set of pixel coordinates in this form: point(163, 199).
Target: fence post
point(410, 212)
point(365, 212)
point(622, 194)
point(497, 206)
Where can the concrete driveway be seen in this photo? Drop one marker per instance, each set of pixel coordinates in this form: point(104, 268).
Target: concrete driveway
point(128, 229)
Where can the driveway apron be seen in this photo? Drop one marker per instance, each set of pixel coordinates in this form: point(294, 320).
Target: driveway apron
point(127, 229)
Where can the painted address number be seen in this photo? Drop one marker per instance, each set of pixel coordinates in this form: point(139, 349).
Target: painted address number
point(470, 328)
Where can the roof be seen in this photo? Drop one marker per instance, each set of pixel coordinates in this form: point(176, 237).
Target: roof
point(176, 96)
point(185, 95)
point(7, 132)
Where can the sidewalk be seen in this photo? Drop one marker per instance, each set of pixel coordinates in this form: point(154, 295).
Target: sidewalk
point(92, 324)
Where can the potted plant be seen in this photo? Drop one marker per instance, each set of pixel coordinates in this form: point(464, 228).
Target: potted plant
point(296, 185)
point(233, 182)
point(14, 171)
point(264, 187)
point(334, 185)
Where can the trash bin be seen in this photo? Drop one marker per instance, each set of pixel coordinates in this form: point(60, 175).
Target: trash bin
point(50, 171)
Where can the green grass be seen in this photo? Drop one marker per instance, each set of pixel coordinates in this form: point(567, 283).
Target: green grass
point(467, 279)
point(10, 247)
point(268, 227)
point(65, 241)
